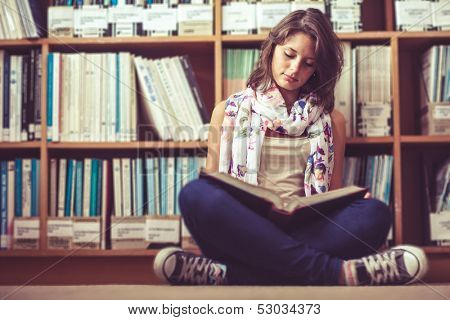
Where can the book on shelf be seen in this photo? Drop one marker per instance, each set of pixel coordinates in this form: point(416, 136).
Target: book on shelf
point(130, 18)
point(345, 16)
point(363, 92)
point(285, 211)
point(238, 18)
point(237, 67)
point(437, 200)
point(21, 19)
point(435, 91)
point(373, 172)
point(20, 105)
point(170, 99)
point(414, 15)
point(19, 201)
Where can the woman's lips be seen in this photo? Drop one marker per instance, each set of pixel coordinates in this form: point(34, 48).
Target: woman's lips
point(289, 78)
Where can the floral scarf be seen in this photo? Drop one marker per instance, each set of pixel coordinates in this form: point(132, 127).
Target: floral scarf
point(249, 113)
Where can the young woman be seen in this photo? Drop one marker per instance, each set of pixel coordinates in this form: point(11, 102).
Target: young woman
point(282, 133)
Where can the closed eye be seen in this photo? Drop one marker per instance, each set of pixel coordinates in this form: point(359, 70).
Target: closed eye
point(289, 56)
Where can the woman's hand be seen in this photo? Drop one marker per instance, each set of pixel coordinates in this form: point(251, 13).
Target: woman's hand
point(368, 195)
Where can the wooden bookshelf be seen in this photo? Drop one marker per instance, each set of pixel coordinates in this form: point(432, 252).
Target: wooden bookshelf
point(134, 266)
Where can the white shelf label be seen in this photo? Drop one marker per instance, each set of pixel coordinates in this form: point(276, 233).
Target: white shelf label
point(60, 228)
point(26, 228)
point(303, 6)
point(125, 14)
point(60, 18)
point(86, 231)
point(162, 230)
point(440, 225)
point(160, 18)
point(128, 230)
point(441, 13)
point(91, 17)
point(189, 12)
point(269, 14)
point(413, 13)
point(238, 16)
point(442, 112)
point(345, 15)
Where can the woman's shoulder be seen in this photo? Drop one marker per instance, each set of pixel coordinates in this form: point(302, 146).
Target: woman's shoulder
point(337, 117)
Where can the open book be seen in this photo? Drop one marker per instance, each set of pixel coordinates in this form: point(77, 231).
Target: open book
point(284, 211)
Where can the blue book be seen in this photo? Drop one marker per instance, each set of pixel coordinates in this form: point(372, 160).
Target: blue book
point(38, 186)
point(79, 188)
point(34, 188)
point(387, 193)
point(94, 186)
point(18, 188)
point(139, 189)
point(98, 205)
point(163, 183)
point(151, 192)
point(70, 174)
point(49, 96)
point(178, 182)
point(193, 168)
point(3, 204)
point(6, 67)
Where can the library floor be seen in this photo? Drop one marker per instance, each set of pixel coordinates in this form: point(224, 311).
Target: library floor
point(148, 292)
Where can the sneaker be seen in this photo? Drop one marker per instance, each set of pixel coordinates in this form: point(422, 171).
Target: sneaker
point(396, 266)
point(179, 267)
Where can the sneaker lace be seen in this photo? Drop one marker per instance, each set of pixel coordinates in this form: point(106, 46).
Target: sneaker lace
point(382, 268)
point(196, 270)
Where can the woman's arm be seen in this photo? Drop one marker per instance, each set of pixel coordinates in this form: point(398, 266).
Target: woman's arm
point(212, 160)
point(338, 124)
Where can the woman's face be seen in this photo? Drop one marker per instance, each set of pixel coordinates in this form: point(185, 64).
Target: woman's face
point(293, 62)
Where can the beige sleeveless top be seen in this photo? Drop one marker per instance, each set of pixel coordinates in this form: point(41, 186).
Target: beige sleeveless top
point(282, 165)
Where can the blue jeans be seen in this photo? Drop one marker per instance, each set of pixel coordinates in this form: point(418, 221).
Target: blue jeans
point(257, 252)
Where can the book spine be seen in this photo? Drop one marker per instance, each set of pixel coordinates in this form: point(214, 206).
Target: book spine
point(79, 189)
point(26, 188)
point(34, 188)
point(118, 212)
point(11, 204)
point(126, 190)
point(163, 181)
point(18, 188)
point(53, 187)
point(50, 97)
point(68, 193)
point(139, 210)
point(98, 205)
point(106, 203)
point(94, 186)
point(6, 105)
point(170, 191)
point(157, 184)
point(24, 92)
point(189, 71)
point(31, 97)
point(150, 186)
point(62, 186)
point(3, 205)
point(37, 95)
point(86, 186)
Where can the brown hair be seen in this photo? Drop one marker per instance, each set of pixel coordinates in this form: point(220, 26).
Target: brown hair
point(329, 60)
